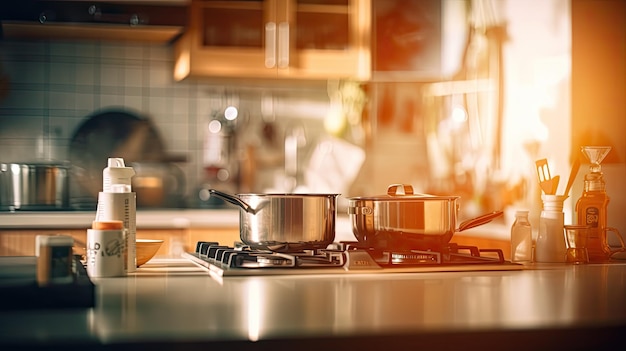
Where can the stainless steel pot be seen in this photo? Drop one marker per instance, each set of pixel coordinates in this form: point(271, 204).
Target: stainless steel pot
point(34, 186)
point(285, 222)
point(402, 220)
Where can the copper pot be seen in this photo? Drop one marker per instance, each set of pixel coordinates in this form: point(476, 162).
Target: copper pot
point(402, 220)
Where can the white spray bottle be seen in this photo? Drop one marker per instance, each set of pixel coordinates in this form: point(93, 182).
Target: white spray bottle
point(117, 201)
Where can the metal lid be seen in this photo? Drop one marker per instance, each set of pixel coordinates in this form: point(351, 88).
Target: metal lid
point(403, 192)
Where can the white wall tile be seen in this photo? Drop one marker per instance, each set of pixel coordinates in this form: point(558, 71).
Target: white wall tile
point(85, 73)
point(24, 99)
point(160, 74)
point(87, 49)
point(62, 73)
point(60, 127)
point(61, 100)
point(21, 127)
point(62, 49)
point(135, 51)
point(133, 102)
point(133, 76)
point(84, 103)
point(158, 107)
point(112, 51)
point(108, 101)
point(111, 75)
point(26, 72)
point(180, 106)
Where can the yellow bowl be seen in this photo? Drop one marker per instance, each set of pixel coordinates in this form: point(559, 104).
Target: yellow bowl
point(146, 249)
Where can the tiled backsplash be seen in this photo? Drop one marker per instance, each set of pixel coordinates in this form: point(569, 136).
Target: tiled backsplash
point(55, 86)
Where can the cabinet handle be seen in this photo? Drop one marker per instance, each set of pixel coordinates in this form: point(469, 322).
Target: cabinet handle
point(270, 45)
point(283, 45)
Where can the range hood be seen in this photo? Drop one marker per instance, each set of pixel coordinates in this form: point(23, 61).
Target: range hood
point(159, 21)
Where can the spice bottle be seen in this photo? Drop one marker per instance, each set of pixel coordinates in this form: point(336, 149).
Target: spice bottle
point(521, 238)
point(550, 246)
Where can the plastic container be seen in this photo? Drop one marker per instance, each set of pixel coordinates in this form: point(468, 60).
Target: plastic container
point(117, 201)
point(116, 177)
point(550, 245)
point(106, 252)
point(521, 238)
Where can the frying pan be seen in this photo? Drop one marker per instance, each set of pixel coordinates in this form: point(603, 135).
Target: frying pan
point(111, 133)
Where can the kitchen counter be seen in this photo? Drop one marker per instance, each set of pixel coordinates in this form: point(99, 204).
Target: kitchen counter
point(146, 219)
point(171, 304)
point(174, 218)
point(188, 218)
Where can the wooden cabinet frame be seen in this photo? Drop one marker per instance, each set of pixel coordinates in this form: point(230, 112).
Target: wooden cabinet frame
point(278, 57)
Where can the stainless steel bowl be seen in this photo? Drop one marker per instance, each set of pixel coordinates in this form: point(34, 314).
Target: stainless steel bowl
point(34, 186)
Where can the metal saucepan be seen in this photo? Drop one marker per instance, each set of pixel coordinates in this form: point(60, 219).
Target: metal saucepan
point(34, 186)
point(402, 220)
point(285, 222)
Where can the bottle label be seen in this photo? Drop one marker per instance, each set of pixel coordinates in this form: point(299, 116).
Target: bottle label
point(592, 216)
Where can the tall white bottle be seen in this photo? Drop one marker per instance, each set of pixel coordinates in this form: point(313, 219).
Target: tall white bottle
point(521, 238)
point(550, 246)
point(117, 201)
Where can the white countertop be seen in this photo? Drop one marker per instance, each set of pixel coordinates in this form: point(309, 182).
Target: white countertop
point(171, 303)
point(175, 218)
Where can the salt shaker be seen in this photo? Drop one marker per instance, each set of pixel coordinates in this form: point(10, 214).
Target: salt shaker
point(550, 246)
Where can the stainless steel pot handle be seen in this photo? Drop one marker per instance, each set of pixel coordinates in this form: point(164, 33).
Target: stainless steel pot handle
point(480, 220)
point(234, 200)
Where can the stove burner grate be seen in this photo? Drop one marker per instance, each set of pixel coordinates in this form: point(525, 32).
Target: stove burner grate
point(346, 255)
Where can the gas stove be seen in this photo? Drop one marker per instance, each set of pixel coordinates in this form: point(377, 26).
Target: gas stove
point(342, 258)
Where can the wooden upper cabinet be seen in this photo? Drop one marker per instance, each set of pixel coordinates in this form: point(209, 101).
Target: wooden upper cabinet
point(296, 39)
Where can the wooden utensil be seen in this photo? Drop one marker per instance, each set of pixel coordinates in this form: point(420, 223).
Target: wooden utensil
point(572, 175)
point(546, 182)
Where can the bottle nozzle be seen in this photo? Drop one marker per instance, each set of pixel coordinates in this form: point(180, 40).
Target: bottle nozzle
point(116, 162)
point(116, 178)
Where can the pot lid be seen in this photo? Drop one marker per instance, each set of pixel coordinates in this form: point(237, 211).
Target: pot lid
point(400, 192)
